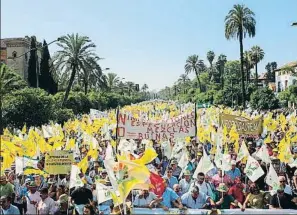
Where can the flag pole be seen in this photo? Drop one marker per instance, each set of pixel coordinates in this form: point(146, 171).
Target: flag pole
point(195, 122)
point(117, 127)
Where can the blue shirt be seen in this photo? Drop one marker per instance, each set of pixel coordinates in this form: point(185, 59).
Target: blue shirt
point(234, 173)
point(168, 196)
point(11, 210)
point(172, 181)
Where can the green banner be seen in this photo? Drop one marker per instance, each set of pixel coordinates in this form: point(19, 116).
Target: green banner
point(205, 105)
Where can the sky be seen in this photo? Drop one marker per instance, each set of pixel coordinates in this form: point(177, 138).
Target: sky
point(148, 41)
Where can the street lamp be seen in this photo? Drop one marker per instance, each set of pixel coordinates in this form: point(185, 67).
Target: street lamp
point(294, 24)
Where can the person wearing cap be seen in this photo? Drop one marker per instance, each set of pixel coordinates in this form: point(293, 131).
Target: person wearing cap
point(6, 188)
point(281, 200)
point(172, 180)
point(62, 205)
point(185, 183)
point(169, 197)
point(196, 199)
point(6, 207)
point(203, 187)
point(223, 200)
point(46, 205)
point(176, 170)
point(95, 171)
point(32, 198)
point(234, 172)
point(145, 199)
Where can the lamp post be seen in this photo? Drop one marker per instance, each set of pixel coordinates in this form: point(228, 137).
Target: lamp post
point(294, 24)
point(35, 49)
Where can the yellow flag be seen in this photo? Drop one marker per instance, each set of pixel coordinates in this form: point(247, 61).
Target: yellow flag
point(83, 164)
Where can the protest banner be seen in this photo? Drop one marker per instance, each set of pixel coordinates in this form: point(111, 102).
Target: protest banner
point(178, 127)
point(243, 125)
point(58, 162)
point(96, 114)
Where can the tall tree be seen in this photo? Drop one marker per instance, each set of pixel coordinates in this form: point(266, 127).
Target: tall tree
point(144, 88)
point(193, 64)
point(248, 65)
point(8, 81)
point(130, 86)
point(32, 67)
point(46, 80)
point(257, 55)
point(239, 23)
point(210, 58)
point(273, 65)
point(183, 80)
point(75, 50)
point(222, 60)
point(112, 80)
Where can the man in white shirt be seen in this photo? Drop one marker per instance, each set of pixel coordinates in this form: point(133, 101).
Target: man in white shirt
point(185, 183)
point(145, 199)
point(196, 199)
point(47, 205)
point(32, 198)
point(203, 187)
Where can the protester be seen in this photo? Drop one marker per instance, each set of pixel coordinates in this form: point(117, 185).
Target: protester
point(32, 198)
point(255, 198)
point(6, 188)
point(195, 199)
point(185, 182)
point(145, 199)
point(46, 205)
point(223, 200)
point(6, 207)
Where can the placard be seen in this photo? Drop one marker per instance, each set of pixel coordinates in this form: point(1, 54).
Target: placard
point(58, 162)
point(243, 125)
point(178, 127)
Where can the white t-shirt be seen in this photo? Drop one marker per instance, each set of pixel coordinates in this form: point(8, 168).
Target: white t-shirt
point(188, 200)
point(48, 206)
point(144, 201)
point(31, 209)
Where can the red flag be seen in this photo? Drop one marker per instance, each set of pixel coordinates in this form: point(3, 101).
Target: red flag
point(158, 184)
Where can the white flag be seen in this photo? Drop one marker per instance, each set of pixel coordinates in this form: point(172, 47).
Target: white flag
point(204, 165)
point(109, 152)
point(166, 149)
point(243, 152)
point(183, 162)
point(75, 180)
point(272, 178)
point(263, 154)
point(253, 169)
point(22, 162)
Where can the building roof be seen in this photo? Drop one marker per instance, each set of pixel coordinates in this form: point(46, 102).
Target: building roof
point(291, 64)
point(2, 44)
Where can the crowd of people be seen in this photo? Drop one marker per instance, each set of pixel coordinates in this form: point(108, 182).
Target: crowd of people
point(214, 189)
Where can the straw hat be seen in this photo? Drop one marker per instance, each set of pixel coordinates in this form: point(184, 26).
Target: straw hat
point(63, 199)
point(222, 188)
point(187, 172)
point(174, 162)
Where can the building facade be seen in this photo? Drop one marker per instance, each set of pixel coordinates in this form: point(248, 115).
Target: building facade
point(13, 54)
point(286, 76)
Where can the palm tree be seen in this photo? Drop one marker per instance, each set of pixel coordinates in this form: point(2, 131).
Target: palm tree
point(144, 88)
point(112, 80)
point(239, 23)
point(193, 64)
point(222, 60)
point(91, 74)
point(76, 50)
point(130, 86)
point(8, 82)
point(248, 64)
point(210, 58)
point(257, 55)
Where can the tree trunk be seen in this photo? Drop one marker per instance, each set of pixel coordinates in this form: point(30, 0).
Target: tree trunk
point(198, 80)
point(69, 85)
point(241, 67)
point(86, 87)
point(222, 77)
point(256, 79)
